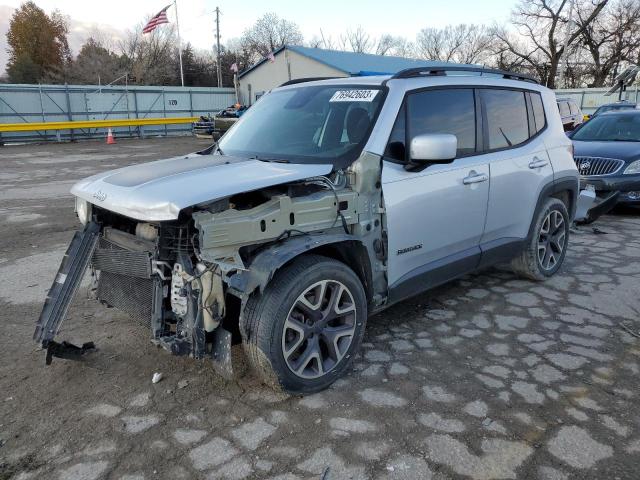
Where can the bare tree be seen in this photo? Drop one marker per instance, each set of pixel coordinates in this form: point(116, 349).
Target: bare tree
point(540, 32)
point(269, 33)
point(455, 43)
point(396, 46)
point(357, 40)
point(611, 39)
point(151, 58)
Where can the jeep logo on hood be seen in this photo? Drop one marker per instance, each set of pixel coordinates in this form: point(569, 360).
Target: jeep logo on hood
point(100, 196)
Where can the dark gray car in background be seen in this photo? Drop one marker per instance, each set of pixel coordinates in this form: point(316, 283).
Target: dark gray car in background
point(607, 155)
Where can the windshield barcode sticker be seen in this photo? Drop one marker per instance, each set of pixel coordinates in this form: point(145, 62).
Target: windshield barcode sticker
point(354, 96)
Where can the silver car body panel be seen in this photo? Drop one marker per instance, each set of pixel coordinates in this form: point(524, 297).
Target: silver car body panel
point(516, 184)
point(420, 206)
point(157, 191)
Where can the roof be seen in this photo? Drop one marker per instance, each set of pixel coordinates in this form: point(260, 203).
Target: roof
point(354, 64)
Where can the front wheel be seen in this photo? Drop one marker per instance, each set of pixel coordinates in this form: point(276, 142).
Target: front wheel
point(301, 333)
point(545, 251)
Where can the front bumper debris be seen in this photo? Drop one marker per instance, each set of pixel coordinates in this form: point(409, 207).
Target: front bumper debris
point(67, 350)
point(70, 274)
point(628, 187)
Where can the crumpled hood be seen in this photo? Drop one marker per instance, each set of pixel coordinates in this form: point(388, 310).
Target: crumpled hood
point(627, 151)
point(157, 191)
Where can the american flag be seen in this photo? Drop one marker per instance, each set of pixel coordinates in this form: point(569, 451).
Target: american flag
point(157, 19)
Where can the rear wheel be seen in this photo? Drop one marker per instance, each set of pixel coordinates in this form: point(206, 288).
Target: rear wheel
point(545, 251)
point(300, 334)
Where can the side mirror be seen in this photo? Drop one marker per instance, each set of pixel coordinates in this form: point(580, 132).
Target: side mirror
point(433, 148)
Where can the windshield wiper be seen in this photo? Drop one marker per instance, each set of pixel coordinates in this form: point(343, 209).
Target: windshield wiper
point(267, 159)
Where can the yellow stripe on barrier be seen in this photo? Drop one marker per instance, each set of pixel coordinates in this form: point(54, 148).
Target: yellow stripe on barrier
point(79, 124)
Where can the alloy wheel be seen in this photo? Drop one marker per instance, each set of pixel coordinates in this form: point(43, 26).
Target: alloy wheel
point(319, 329)
point(552, 240)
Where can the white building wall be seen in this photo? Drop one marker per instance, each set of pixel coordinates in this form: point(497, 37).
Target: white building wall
point(271, 74)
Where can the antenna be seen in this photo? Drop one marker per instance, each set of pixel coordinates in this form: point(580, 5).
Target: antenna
point(623, 80)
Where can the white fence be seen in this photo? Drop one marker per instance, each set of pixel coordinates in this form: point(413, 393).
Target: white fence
point(55, 103)
point(591, 98)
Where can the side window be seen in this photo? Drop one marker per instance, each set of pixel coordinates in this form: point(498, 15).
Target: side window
point(538, 111)
point(564, 109)
point(506, 118)
point(573, 108)
point(444, 111)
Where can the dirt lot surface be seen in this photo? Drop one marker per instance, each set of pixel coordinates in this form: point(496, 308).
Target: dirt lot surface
point(487, 377)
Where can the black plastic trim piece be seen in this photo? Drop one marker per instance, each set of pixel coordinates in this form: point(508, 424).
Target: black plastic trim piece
point(434, 274)
point(500, 250)
point(563, 184)
point(67, 350)
point(295, 81)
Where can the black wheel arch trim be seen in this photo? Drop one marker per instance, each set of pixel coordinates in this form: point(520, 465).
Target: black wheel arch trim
point(268, 261)
point(568, 184)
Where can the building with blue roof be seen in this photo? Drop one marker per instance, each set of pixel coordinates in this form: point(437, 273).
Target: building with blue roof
point(292, 62)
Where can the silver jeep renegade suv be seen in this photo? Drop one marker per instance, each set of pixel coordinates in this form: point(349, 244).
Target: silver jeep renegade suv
point(327, 202)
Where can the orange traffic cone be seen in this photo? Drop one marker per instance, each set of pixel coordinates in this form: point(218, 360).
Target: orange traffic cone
point(110, 139)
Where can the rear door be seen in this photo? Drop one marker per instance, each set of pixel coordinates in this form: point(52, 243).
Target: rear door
point(520, 166)
point(435, 217)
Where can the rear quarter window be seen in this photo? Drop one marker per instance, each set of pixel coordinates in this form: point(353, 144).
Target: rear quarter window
point(538, 112)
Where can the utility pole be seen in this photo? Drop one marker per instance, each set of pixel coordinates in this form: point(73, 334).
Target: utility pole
point(175, 4)
point(219, 71)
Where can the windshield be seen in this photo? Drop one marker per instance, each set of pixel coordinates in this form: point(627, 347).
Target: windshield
point(608, 108)
point(610, 128)
point(314, 124)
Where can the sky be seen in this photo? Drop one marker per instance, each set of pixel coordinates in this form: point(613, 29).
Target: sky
point(197, 18)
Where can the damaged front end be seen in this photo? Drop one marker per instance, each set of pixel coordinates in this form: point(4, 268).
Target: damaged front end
point(187, 279)
point(152, 273)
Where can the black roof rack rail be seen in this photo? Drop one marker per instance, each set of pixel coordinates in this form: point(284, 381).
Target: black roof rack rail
point(303, 80)
point(443, 69)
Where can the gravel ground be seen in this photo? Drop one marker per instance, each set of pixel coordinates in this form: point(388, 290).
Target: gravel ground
point(487, 377)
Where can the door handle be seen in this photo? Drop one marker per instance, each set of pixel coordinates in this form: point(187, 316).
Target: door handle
point(538, 163)
point(475, 178)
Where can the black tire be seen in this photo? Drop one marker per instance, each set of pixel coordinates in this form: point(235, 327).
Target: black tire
point(529, 263)
point(263, 320)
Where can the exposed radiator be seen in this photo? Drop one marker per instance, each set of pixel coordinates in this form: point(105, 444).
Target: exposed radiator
point(110, 257)
point(132, 295)
point(125, 280)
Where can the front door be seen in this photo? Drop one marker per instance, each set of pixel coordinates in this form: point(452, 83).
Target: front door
point(435, 217)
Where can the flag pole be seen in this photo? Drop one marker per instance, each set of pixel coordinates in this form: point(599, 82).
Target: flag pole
point(175, 4)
